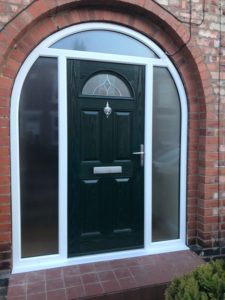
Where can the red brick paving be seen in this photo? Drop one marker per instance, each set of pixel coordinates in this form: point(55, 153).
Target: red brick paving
point(103, 278)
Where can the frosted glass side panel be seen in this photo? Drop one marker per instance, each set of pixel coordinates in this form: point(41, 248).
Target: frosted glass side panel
point(38, 137)
point(104, 41)
point(166, 157)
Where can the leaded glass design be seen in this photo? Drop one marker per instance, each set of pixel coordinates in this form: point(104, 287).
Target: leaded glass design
point(105, 84)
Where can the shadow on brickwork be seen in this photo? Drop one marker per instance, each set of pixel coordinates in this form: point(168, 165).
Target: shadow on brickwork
point(4, 280)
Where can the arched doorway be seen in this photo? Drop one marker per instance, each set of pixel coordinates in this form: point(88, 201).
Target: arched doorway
point(114, 95)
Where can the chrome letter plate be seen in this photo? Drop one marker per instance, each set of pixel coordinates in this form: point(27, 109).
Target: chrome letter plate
point(107, 170)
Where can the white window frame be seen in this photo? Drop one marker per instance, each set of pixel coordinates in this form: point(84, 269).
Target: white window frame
point(61, 259)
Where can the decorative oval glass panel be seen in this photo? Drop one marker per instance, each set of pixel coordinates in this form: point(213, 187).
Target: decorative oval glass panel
point(105, 84)
point(111, 42)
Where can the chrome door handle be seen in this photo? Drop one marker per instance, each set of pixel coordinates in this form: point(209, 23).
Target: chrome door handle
point(141, 153)
point(138, 153)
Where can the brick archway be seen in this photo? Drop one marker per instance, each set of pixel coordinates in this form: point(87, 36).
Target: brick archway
point(42, 19)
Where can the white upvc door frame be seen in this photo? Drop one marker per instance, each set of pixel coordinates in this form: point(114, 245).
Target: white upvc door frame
point(61, 259)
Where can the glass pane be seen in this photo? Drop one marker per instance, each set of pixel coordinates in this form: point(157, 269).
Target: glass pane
point(38, 129)
point(104, 41)
point(166, 157)
point(106, 85)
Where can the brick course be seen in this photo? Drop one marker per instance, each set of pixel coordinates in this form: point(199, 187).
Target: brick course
point(197, 63)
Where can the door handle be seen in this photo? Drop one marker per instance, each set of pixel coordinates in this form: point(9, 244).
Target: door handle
point(141, 153)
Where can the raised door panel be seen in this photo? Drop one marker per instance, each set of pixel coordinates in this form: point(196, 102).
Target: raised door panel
point(90, 208)
point(90, 136)
point(122, 135)
point(122, 207)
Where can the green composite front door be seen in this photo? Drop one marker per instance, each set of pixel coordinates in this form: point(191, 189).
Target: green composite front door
point(105, 176)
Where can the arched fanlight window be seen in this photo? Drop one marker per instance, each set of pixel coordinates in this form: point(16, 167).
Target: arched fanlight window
point(105, 84)
point(40, 169)
point(104, 41)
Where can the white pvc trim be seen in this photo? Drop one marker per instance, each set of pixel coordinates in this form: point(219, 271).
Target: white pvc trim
point(113, 58)
point(63, 155)
point(15, 170)
point(35, 263)
point(48, 262)
point(148, 157)
point(183, 150)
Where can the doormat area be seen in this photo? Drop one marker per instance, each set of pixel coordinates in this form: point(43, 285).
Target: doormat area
point(125, 279)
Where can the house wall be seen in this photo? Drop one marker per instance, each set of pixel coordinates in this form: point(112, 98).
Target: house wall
point(201, 64)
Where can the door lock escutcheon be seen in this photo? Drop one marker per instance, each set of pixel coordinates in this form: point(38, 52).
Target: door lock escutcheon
point(141, 153)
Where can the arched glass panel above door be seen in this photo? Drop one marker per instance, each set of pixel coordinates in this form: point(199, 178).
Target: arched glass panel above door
point(106, 84)
point(104, 41)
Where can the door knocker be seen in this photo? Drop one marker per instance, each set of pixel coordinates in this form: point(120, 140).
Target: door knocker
point(107, 110)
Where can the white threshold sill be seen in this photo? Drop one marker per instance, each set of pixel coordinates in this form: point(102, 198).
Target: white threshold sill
point(55, 261)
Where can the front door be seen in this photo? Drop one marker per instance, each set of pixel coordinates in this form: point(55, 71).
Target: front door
point(105, 176)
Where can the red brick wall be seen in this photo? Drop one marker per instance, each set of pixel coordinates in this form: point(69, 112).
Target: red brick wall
point(9, 8)
point(210, 211)
point(197, 63)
